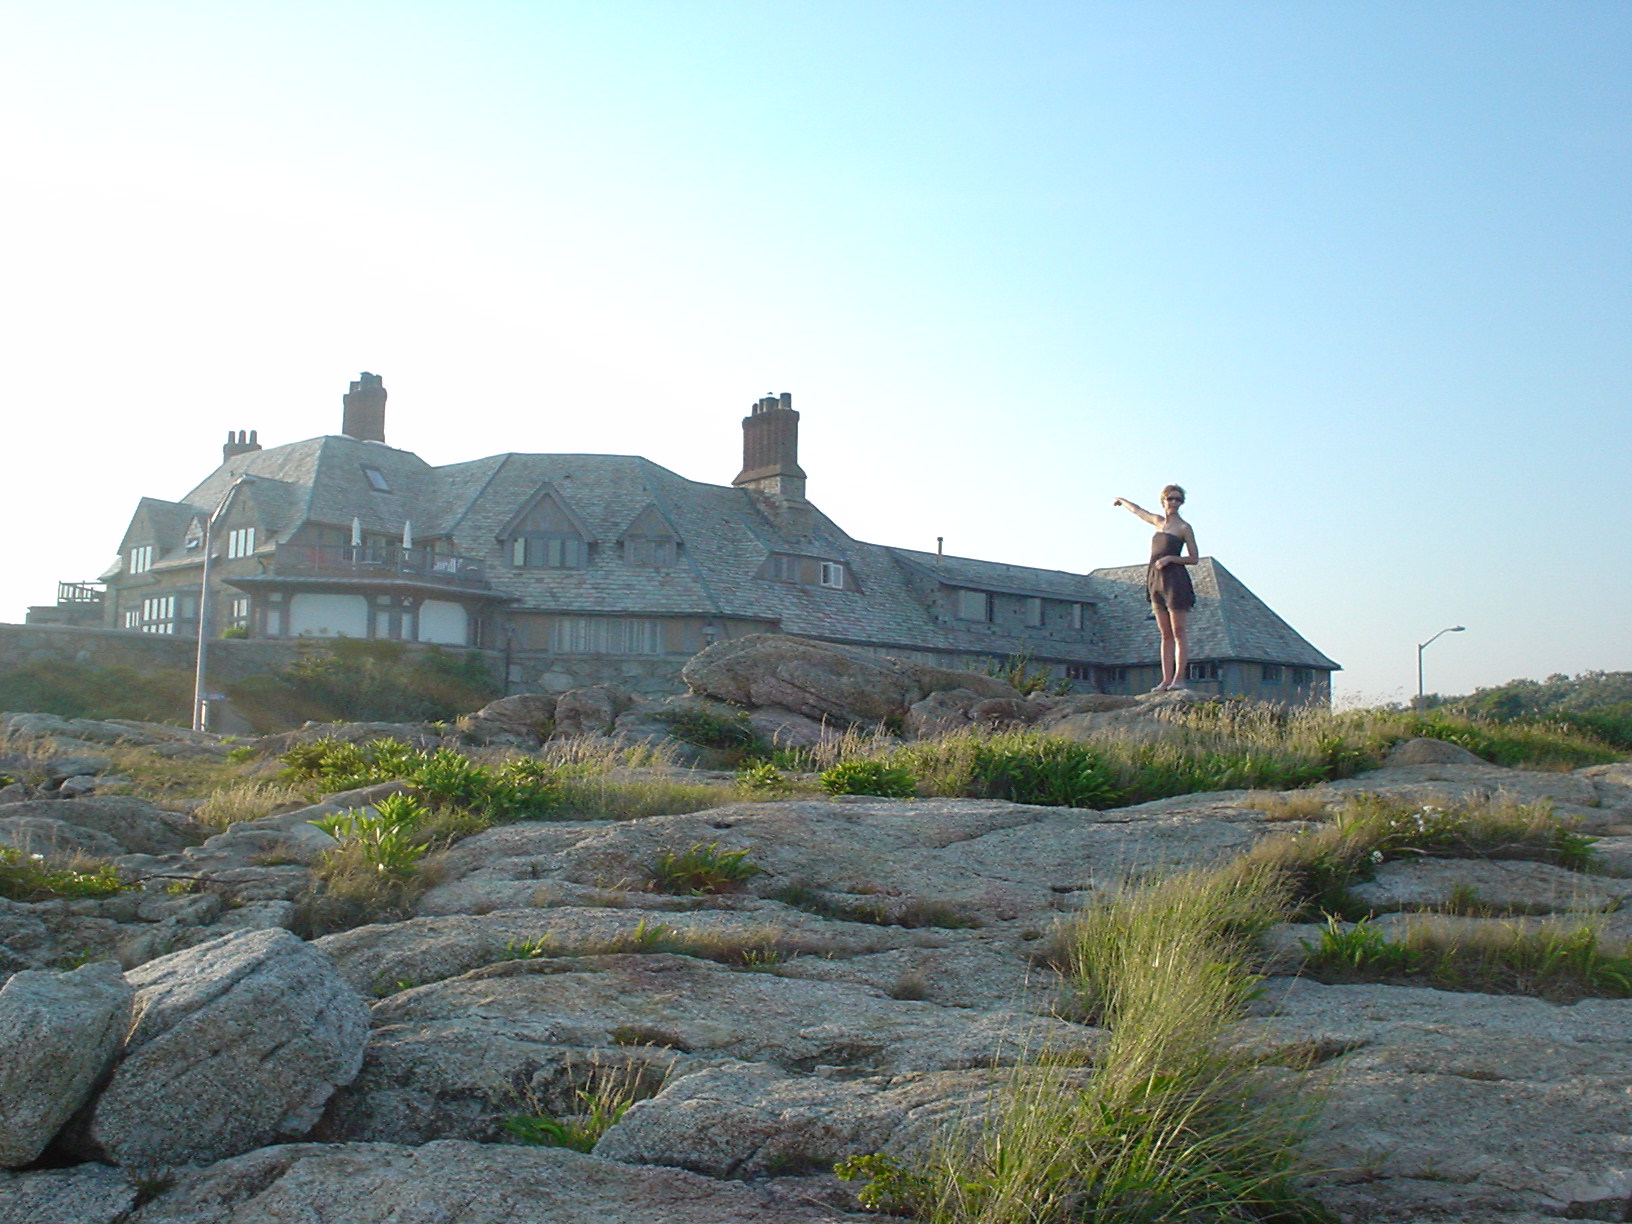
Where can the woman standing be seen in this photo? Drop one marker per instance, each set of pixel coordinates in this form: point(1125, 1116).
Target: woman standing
point(1167, 581)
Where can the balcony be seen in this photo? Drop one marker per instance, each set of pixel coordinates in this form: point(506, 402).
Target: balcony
point(363, 562)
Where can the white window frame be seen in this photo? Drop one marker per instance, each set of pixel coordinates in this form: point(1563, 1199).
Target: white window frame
point(240, 542)
point(832, 575)
point(141, 558)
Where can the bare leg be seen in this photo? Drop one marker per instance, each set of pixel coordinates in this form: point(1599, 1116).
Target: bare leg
point(1164, 621)
point(1181, 646)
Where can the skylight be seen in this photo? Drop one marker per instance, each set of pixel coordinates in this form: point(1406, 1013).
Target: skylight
point(376, 480)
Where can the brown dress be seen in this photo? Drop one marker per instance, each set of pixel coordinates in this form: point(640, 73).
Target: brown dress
point(1169, 585)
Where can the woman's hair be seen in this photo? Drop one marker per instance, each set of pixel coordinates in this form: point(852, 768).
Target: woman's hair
point(1176, 489)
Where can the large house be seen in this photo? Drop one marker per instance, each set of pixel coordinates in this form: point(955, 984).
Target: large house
point(574, 569)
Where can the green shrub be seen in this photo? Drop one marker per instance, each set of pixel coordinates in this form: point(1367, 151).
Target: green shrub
point(519, 789)
point(763, 778)
point(727, 732)
point(29, 877)
point(1548, 960)
point(702, 869)
point(366, 680)
point(386, 839)
point(869, 777)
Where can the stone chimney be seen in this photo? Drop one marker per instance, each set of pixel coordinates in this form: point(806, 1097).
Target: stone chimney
point(239, 443)
point(770, 451)
point(365, 409)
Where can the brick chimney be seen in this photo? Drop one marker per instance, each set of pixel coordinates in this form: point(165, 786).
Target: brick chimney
point(239, 443)
point(770, 451)
point(365, 409)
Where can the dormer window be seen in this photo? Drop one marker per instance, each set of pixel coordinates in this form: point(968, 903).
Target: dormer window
point(376, 480)
point(650, 541)
point(141, 559)
point(240, 541)
point(974, 606)
point(546, 535)
point(808, 571)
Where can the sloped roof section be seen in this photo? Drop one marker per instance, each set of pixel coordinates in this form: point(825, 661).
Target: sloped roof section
point(1228, 621)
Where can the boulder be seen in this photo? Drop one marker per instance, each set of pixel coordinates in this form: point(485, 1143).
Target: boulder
point(471, 1183)
point(55, 839)
point(139, 826)
point(1003, 711)
point(61, 1032)
point(1460, 1107)
point(522, 719)
point(1430, 752)
point(815, 679)
point(942, 711)
point(237, 1043)
point(943, 679)
point(85, 1194)
point(752, 1119)
point(785, 729)
point(1501, 884)
point(589, 711)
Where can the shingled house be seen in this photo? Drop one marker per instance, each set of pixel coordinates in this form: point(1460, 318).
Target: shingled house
point(575, 569)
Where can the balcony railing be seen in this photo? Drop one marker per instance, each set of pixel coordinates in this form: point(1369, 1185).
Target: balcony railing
point(79, 593)
point(374, 561)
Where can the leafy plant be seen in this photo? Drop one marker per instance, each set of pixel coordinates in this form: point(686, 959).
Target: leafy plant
point(702, 869)
point(603, 1102)
point(869, 777)
point(764, 778)
point(888, 1185)
point(30, 877)
point(729, 732)
point(384, 839)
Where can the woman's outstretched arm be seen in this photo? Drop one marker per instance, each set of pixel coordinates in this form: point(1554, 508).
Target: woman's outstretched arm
point(1155, 520)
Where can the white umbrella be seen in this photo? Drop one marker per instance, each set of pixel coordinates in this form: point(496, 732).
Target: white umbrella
point(407, 534)
point(356, 532)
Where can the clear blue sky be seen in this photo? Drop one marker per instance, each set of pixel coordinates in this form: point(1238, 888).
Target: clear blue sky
point(1356, 274)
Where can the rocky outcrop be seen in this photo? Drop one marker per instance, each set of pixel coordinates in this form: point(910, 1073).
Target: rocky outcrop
point(135, 826)
point(237, 1043)
point(523, 720)
point(472, 1183)
point(813, 679)
point(590, 711)
point(61, 1033)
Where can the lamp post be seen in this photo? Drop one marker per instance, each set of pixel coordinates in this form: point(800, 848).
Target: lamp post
point(201, 705)
point(1424, 646)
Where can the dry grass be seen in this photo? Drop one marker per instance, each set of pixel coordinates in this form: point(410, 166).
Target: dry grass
point(251, 800)
point(1291, 805)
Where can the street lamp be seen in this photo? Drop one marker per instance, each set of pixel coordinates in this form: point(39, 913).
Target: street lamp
point(201, 708)
point(1423, 647)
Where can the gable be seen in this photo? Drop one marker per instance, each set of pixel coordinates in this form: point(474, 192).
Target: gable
point(546, 513)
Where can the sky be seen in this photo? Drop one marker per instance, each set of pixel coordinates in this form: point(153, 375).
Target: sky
point(1356, 274)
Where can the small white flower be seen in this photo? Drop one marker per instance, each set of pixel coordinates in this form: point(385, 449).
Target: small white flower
point(1376, 856)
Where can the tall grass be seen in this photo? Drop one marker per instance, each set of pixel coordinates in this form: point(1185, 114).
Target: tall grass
point(1168, 1126)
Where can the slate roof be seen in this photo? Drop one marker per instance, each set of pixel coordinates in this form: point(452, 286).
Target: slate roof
point(1228, 621)
point(726, 536)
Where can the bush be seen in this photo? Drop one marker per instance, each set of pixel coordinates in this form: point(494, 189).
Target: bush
point(703, 869)
point(516, 790)
point(28, 877)
point(366, 680)
point(869, 777)
point(730, 733)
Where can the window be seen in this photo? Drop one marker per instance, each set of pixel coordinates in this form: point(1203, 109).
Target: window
point(158, 614)
point(974, 606)
point(1203, 671)
point(1076, 616)
point(832, 575)
point(376, 480)
point(238, 612)
point(1078, 671)
point(606, 635)
point(544, 535)
point(240, 541)
point(1031, 609)
point(654, 554)
point(1303, 675)
point(548, 552)
point(133, 618)
point(1116, 675)
point(807, 571)
point(1270, 673)
point(141, 559)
